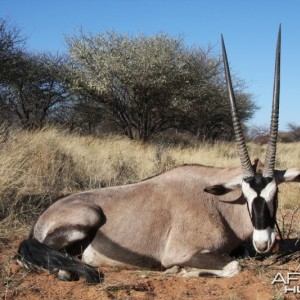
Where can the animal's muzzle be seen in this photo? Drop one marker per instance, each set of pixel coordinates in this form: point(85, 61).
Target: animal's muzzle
point(263, 239)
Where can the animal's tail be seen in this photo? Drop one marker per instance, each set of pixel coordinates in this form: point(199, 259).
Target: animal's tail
point(32, 254)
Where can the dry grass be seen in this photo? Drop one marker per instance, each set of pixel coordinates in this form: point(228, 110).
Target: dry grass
point(37, 167)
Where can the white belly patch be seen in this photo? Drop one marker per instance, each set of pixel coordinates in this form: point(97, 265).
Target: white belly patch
point(96, 259)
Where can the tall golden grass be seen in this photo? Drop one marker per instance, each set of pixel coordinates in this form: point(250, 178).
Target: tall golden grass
point(36, 167)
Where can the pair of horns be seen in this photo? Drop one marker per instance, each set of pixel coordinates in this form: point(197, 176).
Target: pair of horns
point(241, 144)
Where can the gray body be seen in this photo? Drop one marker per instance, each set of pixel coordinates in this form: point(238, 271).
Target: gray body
point(160, 222)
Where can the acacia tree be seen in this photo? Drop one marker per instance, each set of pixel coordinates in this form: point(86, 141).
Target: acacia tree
point(11, 48)
point(37, 88)
point(211, 118)
point(31, 85)
point(11, 45)
point(149, 84)
point(145, 84)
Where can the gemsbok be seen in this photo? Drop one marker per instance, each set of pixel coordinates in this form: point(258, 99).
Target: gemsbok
point(187, 220)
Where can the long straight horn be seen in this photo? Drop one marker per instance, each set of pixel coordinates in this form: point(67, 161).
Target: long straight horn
point(271, 150)
point(239, 137)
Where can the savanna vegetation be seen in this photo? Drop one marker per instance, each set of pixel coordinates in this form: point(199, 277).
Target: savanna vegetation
point(112, 110)
point(116, 109)
point(36, 167)
point(138, 86)
point(39, 166)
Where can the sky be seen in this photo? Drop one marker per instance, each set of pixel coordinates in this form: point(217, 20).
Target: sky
point(249, 28)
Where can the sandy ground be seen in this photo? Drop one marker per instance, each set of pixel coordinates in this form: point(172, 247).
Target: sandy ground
point(254, 282)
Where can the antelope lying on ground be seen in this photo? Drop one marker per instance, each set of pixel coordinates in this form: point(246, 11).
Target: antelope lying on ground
point(191, 217)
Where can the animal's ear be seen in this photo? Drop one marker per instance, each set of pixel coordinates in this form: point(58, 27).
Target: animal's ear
point(217, 189)
point(289, 175)
point(222, 189)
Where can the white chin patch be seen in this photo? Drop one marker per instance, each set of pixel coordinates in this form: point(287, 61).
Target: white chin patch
point(263, 240)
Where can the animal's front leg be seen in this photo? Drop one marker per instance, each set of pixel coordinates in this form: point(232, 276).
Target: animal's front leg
point(229, 270)
point(205, 263)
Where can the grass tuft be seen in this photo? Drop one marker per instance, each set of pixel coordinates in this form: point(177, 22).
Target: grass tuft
point(38, 167)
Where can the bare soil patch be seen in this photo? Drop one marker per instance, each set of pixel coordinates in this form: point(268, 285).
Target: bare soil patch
point(254, 282)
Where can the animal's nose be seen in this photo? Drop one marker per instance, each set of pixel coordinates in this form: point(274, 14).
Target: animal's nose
point(261, 247)
point(263, 239)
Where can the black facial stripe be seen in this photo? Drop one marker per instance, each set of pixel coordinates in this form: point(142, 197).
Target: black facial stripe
point(261, 216)
point(260, 210)
point(258, 182)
